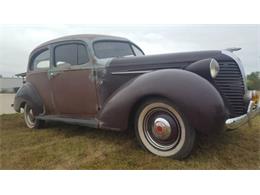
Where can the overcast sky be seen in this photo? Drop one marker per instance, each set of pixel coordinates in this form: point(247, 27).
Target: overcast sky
point(16, 41)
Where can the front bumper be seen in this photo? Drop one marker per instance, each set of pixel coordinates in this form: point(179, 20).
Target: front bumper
point(252, 111)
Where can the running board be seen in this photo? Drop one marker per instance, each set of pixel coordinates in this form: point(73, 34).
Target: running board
point(91, 122)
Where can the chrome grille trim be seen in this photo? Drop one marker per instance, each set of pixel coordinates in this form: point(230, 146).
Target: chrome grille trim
point(239, 63)
point(230, 83)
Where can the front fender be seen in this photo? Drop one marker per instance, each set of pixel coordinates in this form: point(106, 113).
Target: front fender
point(199, 101)
point(28, 94)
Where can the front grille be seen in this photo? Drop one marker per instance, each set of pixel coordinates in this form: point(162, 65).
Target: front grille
point(230, 84)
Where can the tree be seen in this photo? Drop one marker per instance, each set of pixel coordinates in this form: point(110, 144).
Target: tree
point(253, 81)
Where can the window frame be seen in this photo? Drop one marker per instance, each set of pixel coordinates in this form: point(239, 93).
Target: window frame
point(73, 66)
point(120, 41)
point(132, 44)
point(35, 55)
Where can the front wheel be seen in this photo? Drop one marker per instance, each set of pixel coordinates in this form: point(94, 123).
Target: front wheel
point(30, 119)
point(163, 130)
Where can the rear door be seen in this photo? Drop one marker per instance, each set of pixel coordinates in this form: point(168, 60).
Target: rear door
point(37, 75)
point(72, 80)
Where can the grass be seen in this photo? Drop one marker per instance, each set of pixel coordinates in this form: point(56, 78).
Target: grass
point(60, 146)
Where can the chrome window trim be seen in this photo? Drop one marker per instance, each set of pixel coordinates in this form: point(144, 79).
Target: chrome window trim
point(131, 72)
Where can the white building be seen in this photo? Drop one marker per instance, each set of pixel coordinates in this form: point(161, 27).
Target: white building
point(10, 85)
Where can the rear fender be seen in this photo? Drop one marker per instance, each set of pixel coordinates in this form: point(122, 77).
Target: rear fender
point(29, 95)
point(197, 99)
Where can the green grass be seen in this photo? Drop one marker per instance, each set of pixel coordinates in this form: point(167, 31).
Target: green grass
point(60, 146)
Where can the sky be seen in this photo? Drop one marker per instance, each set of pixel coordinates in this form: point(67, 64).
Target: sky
point(17, 41)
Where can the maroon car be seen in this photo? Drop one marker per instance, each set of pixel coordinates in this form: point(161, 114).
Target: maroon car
point(107, 82)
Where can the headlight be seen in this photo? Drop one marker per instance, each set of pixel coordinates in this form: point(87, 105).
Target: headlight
point(214, 68)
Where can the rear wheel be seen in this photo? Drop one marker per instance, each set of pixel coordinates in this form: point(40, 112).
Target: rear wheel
point(30, 119)
point(163, 130)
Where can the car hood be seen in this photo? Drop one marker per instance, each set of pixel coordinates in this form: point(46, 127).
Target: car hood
point(116, 73)
point(171, 60)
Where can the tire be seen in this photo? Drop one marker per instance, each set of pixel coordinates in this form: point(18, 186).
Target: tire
point(30, 119)
point(163, 130)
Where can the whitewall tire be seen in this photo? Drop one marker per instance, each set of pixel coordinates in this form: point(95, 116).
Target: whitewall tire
point(30, 119)
point(163, 130)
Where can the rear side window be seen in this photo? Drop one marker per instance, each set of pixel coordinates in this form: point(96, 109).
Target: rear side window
point(82, 55)
point(41, 61)
point(70, 54)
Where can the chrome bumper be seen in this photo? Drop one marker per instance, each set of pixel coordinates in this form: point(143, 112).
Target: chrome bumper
point(252, 111)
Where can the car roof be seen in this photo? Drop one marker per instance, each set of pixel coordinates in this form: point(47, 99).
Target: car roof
point(84, 37)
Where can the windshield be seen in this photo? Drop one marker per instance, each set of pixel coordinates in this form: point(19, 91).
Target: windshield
point(110, 49)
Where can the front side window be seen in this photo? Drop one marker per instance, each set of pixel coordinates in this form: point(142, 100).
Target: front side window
point(42, 60)
point(110, 49)
point(70, 54)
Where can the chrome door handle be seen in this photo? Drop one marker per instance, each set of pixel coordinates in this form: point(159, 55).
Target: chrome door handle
point(51, 75)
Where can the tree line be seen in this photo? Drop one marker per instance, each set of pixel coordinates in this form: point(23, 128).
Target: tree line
point(253, 81)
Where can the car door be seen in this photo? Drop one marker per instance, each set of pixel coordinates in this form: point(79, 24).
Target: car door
point(37, 75)
point(72, 80)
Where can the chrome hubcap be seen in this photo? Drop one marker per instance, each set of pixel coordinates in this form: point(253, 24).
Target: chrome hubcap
point(161, 129)
point(29, 117)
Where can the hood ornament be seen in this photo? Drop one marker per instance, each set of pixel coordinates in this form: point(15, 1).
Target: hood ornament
point(232, 49)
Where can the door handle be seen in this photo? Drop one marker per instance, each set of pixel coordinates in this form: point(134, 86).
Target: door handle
point(53, 74)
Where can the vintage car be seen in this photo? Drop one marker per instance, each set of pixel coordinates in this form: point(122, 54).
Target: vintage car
point(107, 82)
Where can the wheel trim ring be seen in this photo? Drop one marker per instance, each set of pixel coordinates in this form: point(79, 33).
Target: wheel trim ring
point(151, 140)
point(28, 119)
point(147, 144)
